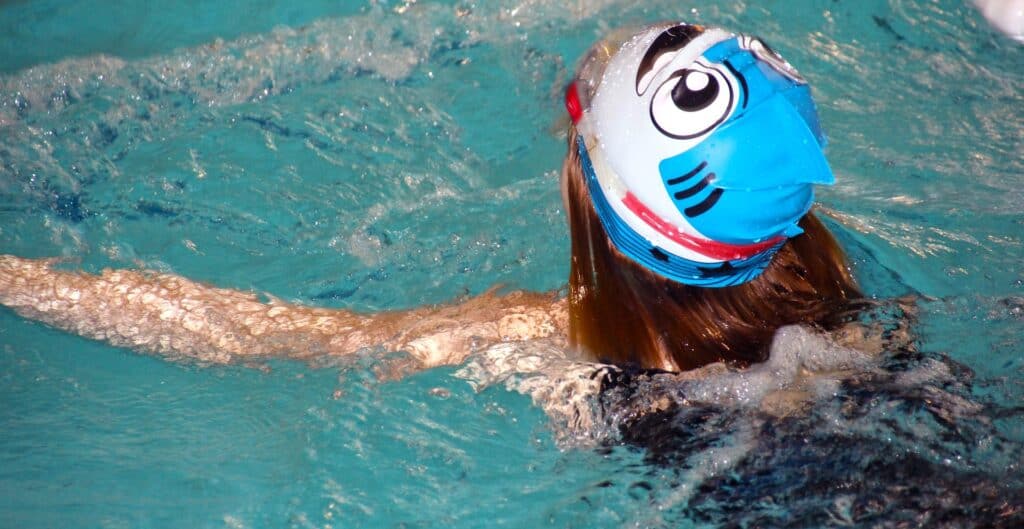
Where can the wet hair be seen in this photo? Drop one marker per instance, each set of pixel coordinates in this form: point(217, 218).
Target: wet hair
point(621, 313)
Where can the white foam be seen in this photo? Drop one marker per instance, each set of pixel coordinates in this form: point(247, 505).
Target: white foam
point(795, 351)
point(567, 389)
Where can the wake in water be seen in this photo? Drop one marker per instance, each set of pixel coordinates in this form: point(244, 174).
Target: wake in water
point(822, 435)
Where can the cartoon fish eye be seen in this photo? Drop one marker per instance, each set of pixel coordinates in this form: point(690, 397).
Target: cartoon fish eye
point(692, 101)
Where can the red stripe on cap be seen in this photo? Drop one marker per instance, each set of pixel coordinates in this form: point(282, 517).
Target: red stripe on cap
point(721, 251)
point(572, 103)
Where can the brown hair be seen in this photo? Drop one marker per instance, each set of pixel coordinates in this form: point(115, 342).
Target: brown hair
point(619, 312)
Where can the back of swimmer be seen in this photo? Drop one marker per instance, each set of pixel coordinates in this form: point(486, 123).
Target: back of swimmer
point(688, 185)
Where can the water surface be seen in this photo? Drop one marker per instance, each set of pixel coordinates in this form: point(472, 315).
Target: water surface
point(382, 155)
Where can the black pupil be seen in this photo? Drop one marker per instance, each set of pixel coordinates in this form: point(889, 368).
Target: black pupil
point(694, 100)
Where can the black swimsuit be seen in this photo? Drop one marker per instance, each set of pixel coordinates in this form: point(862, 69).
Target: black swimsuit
point(894, 446)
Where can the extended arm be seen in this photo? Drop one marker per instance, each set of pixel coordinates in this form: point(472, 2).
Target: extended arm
point(174, 316)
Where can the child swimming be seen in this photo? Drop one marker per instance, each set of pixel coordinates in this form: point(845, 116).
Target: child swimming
point(790, 420)
point(724, 308)
point(688, 184)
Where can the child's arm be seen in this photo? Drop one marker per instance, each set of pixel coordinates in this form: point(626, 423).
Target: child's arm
point(174, 316)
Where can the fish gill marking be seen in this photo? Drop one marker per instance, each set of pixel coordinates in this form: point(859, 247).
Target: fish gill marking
point(704, 205)
point(687, 176)
point(697, 188)
point(707, 202)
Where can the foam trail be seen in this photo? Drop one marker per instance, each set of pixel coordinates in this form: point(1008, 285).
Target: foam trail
point(240, 70)
point(589, 403)
point(795, 351)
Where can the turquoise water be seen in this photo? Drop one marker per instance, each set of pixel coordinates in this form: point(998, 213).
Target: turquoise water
point(382, 155)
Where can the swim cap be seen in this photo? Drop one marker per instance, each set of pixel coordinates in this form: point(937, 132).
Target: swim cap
point(700, 149)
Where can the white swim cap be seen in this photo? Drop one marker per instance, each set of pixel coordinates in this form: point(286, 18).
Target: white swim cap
point(700, 149)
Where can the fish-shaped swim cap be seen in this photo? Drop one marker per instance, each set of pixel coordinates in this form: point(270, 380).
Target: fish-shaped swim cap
point(700, 149)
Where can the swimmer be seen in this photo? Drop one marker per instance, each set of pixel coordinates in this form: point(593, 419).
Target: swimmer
point(688, 184)
point(724, 310)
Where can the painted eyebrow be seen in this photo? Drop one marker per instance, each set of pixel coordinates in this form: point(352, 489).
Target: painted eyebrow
point(671, 40)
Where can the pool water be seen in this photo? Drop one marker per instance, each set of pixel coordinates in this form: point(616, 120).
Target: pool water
point(383, 155)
